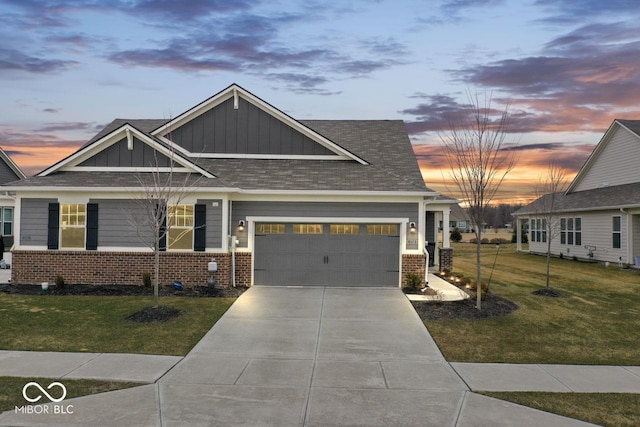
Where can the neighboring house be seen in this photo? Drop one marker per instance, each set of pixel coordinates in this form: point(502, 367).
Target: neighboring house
point(599, 214)
point(459, 219)
point(9, 172)
point(276, 201)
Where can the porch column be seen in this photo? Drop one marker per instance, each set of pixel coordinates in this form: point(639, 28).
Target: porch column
point(518, 234)
point(445, 228)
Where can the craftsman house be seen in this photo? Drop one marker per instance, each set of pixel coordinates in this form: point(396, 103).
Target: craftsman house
point(599, 214)
point(274, 200)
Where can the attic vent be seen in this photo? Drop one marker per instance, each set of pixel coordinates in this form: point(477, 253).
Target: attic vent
point(235, 99)
point(129, 140)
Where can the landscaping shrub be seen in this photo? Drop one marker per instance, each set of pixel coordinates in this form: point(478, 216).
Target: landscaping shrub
point(146, 279)
point(60, 284)
point(498, 241)
point(484, 241)
point(473, 286)
point(413, 281)
point(456, 236)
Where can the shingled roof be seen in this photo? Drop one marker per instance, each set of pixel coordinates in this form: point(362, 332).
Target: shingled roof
point(619, 196)
point(384, 144)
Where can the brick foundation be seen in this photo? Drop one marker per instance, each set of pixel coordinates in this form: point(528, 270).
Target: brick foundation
point(412, 264)
point(446, 259)
point(125, 268)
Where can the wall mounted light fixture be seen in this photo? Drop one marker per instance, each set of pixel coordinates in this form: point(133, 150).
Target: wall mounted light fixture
point(241, 225)
point(412, 227)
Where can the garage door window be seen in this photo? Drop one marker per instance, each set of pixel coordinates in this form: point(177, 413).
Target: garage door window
point(382, 229)
point(345, 228)
point(270, 228)
point(307, 228)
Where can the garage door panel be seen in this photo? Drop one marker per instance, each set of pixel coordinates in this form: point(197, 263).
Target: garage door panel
point(327, 259)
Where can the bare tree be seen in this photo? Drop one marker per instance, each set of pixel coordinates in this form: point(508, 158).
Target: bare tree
point(162, 191)
point(548, 191)
point(479, 162)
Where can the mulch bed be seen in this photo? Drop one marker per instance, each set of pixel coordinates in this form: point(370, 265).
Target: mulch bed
point(492, 306)
point(126, 290)
point(154, 314)
point(548, 292)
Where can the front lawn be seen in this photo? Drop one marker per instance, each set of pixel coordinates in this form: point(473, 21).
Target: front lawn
point(11, 389)
point(97, 324)
point(595, 324)
point(607, 409)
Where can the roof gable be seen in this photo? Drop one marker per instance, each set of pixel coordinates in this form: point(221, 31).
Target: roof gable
point(9, 171)
point(614, 161)
point(125, 149)
point(236, 124)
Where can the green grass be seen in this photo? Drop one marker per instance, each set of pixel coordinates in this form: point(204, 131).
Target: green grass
point(595, 324)
point(11, 389)
point(610, 409)
point(98, 324)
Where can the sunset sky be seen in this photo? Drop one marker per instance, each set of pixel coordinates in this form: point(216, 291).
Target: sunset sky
point(566, 68)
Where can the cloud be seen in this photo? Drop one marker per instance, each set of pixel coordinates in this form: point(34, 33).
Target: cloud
point(569, 11)
point(581, 81)
point(51, 110)
point(14, 60)
point(67, 126)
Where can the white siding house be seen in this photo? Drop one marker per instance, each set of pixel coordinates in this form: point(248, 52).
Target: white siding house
point(598, 217)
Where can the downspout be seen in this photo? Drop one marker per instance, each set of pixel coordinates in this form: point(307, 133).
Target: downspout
point(628, 236)
point(232, 242)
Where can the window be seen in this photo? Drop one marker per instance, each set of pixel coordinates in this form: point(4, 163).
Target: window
point(307, 229)
point(571, 231)
point(270, 228)
point(7, 222)
point(382, 229)
point(72, 225)
point(617, 232)
point(539, 230)
point(180, 225)
point(345, 229)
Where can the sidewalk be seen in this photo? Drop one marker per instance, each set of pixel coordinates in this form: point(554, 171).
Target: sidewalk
point(446, 291)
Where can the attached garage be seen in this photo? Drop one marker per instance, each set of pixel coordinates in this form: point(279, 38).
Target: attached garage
point(326, 254)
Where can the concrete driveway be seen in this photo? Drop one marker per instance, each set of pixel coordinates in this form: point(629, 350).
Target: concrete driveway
point(314, 357)
point(304, 357)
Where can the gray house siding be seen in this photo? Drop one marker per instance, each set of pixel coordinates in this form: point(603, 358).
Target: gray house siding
point(617, 163)
point(118, 155)
point(116, 224)
point(247, 130)
point(7, 174)
point(214, 222)
point(34, 214)
point(241, 210)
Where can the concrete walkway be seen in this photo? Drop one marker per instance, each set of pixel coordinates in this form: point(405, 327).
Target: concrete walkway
point(301, 357)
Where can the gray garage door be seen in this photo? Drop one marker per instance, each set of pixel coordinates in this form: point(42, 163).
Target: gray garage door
point(326, 254)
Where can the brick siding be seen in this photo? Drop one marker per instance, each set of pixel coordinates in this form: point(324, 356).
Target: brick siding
point(412, 264)
point(446, 259)
point(125, 268)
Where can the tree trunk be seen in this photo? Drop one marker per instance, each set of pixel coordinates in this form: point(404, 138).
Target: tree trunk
point(478, 269)
point(548, 255)
point(156, 273)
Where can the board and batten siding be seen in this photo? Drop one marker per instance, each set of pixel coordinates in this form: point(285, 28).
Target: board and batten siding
point(616, 164)
point(34, 217)
point(358, 211)
point(119, 155)
point(247, 130)
point(213, 228)
point(7, 174)
point(597, 230)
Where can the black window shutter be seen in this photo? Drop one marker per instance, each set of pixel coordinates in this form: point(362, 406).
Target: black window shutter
point(53, 235)
point(92, 226)
point(199, 232)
